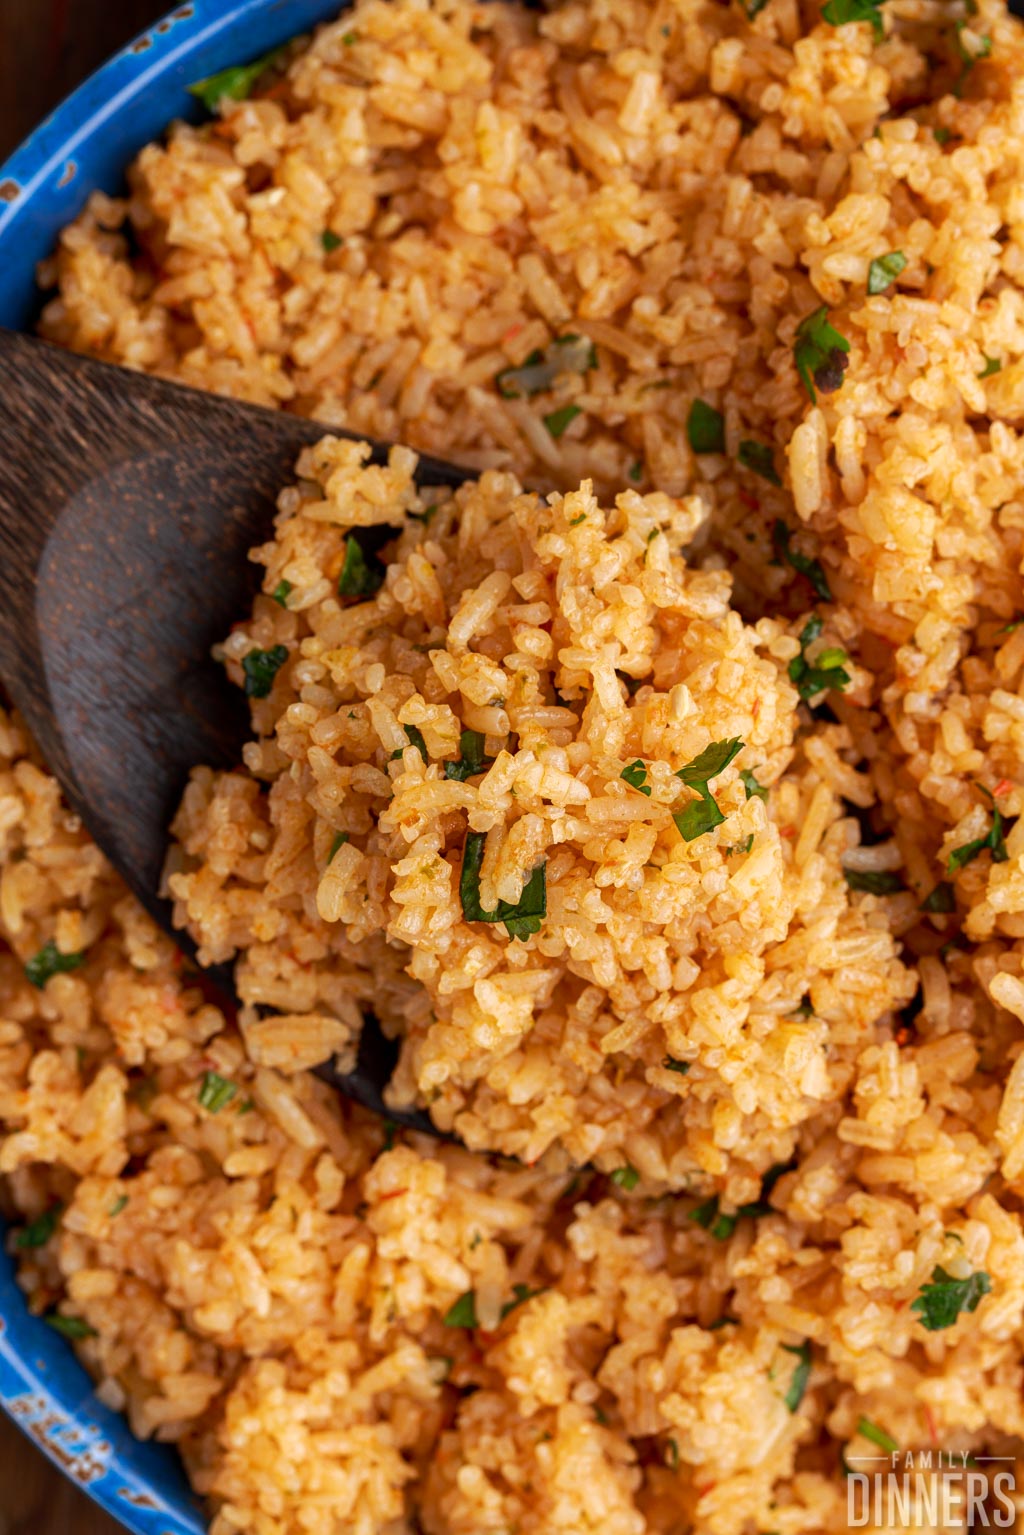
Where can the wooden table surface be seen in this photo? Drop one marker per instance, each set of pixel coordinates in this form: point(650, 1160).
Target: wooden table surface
point(46, 48)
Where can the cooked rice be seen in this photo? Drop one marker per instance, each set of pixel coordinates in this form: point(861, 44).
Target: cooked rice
point(266, 1276)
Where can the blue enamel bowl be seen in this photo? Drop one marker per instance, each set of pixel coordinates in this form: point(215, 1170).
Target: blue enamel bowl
point(86, 144)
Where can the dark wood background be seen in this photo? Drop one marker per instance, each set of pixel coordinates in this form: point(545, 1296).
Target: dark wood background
point(46, 48)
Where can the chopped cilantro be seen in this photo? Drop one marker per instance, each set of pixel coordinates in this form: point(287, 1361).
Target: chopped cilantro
point(753, 7)
point(671, 1064)
point(330, 241)
point(705, 428)
point(625, 1177)
point(820, 351)
point(520, 920)
point(74, 1327)
point(350, 39)
point(567, 354)
point(709, 1217)
point(873, 881)
point(838, 12)
point(462, 1312)
point(426, 516)
point(282, 591)
point(557, 420)
point(415, 739)
point(993, 840)
point(968, 59)
point(942, 135)
point(235, 83)
point(801, 1375)
point(826, 672)
point(759, 458)
point(340, 838)
point(216, 1092)
point(521, 1293)
point(362, 573)
point(119, 1204)
point(636, 470)
point(752, 786)
point(884, 1441)
point(50, 961)
point(992, 366)
point(39, 1231)
point(702, 815)
point(671, 1448)
point(941, 1301)
point(740, 847)
point(942, 899)
point(884, 270)
point(390, 1131)
point(260, 668)
point(472, 761)
point(801, 563)
point(636, 776)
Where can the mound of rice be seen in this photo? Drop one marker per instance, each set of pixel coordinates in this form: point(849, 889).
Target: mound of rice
point(764, 1086)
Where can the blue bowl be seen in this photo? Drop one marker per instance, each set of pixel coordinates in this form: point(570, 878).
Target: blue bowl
point(86, 144)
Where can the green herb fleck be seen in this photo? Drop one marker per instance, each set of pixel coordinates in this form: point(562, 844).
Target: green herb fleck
point(472, 761)
point(521, 919)
point(260, 668)
point(636, 776)
point(941, 1301)
point(671, 1448)
point(216, 1092)
point(50, 961)
point(751, 785)
point(759, 458)
point(993, 840)
point(39, 1231)
point(838, 12)
point(873, 881)
point(521, 1293)
point(625, 1177)
point(282, 591)
point(702, 815)
point(801, 1375)
point(636, 470)
point(462, 1313)
point(350, 39)
point(557, 420)
point(992, 366)
point(801, 563)
point(119, 1204)
point(330, 241)
point(941, 900)
point(942, 135)
point(362, 574)
point(74, 1327)
point(415, 739)
point(339, 840)
point(709, 1217)
point(740, 847)
point(568, 354)
point(235, 83)
point(884, 1441)
point(884, 270)
point(705, 428)
point(820, 351)
point(826, 672)
point(426, 516)
point(671, 1064)
point(390, 1131)
point(968, 60)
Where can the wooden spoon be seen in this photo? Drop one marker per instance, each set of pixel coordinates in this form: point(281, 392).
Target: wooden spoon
point(127, 507)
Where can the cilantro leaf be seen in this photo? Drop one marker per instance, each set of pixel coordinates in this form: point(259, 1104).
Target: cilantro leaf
point(884, 1441)
point(216, 1092)
point(521, 1293)
point(50, 961)
point(39, 1231)
point(759, 458)
point(636, 776)
point(942, 899)
point(234, 83)
point(520, 920)
point(472, 761)
point(884, 270)
point(330, 241)
point(415, 739)
point(567, 354)
point(992, 366)
point(362, 573)
point(941, 1301)
point(73, 1327)
point(801, 563)
point(340, 838)
point(625, 1177)
point(709, 763)
point(260, 668)
point(968, 59)
point(282, 591)
point(873, 881)
point(826, 672)
point(751, 785)
point(801, 1375)
point(671, 1064)
point(993, 841)
point(820, 352)
point(557, 420)
point(740, 847)
point(462, 1312)
point(708, 1216)
point(699, 816)
point(705, 428)
point(838, 12)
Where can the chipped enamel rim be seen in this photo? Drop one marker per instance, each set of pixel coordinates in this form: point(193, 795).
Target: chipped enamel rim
point(84, 145)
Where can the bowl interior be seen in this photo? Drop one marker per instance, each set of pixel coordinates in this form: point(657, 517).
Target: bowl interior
point(84, 145)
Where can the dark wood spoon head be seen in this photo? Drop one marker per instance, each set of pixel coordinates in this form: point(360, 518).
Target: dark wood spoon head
point(127, 507)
